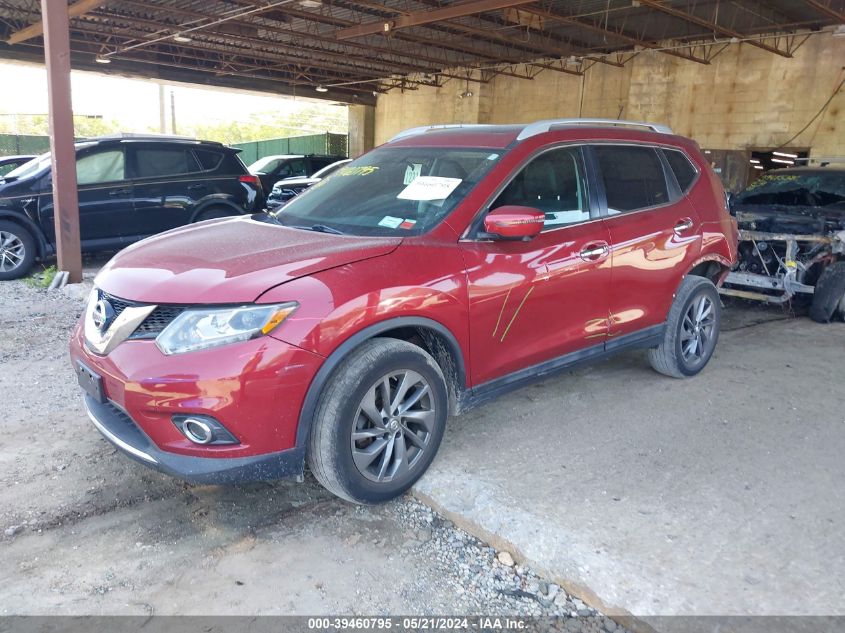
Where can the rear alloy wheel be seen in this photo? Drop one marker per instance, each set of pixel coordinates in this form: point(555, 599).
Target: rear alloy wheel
point(692, 330)
point(379, 421)
point(17, 251)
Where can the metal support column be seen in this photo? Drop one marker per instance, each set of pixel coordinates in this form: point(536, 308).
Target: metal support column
point(65, 199)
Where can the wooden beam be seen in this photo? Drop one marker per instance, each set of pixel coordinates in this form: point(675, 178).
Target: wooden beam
point(63, 154)
point(388, 25)
point(34, 30)
point(721, 30)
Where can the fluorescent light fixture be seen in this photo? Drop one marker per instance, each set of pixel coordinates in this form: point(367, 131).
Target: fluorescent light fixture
point(758, 167)
point(781, 160)
point(102, 60)
point(311, 4)
point(754, 161)
point(321, 89)
point(182, 39)
point(785, 155)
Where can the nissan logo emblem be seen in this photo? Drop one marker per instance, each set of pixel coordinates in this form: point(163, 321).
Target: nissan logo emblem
point(102, 315)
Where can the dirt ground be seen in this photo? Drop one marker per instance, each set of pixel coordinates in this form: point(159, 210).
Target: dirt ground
point(84, 530)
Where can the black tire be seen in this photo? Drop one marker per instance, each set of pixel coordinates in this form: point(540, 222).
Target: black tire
point(688, 344)
point(17, 251)
point(215, 213)
point(829, 295)
point(340, 412)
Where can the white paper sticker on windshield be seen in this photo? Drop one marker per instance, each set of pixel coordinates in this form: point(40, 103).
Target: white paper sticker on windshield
point(390, 222)
point(412, 172)
point(429, 188)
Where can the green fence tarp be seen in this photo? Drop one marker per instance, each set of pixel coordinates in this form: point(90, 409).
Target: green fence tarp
point(332, 144)
point(18, 144)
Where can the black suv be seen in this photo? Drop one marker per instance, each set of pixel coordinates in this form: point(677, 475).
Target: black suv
point(273, 168)
point(130, 187)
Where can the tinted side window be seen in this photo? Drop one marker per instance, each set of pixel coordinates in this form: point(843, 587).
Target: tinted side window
point(292, 168)
point(633, 178)
point(208, 159)
point(231, 165)
point(100, 167)
point(318, 163)
point(152, 162)
point(681, 166)
point(5, 169)
point(553, 182)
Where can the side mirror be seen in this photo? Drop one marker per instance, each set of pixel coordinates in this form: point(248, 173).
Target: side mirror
point(514, 222)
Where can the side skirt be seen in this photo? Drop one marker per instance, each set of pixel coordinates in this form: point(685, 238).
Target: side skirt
point(648, 337)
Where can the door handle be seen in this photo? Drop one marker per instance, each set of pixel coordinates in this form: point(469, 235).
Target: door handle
point(196, 187)
point(682, 225)
point(119, 192)
point(594, 252)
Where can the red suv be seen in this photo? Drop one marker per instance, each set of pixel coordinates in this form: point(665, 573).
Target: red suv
point(441, 269)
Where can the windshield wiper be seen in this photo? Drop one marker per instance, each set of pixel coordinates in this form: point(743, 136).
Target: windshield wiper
point(320, 228)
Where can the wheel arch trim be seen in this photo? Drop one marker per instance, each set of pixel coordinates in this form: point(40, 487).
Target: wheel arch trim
point(43, 247)
point(208, 203)
point(309, 404)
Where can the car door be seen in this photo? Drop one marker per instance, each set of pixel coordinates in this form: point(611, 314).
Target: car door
point(533, 301)
point(105, 196)
point(654, 235)
point(168, 182)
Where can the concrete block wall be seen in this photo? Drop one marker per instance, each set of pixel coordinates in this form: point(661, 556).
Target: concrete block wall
point(746, 98)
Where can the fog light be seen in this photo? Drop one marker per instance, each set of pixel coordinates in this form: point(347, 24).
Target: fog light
point(203, 429)
point(197, 431)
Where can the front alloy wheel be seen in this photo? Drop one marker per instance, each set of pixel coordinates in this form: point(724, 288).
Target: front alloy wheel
point(393, 426)
point(379, 421)
point(12, 252)
point(17, 250)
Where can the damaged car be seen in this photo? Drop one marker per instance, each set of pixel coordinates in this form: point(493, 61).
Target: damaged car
point(792, 240)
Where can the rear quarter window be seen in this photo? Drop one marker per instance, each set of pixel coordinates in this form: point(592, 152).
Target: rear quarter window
point(231, 164)
point(208, 159)
point(685, 172)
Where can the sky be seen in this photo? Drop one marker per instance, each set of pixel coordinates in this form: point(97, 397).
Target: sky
point(135, 102)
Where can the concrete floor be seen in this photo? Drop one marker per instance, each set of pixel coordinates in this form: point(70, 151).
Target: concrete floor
point(717, 495)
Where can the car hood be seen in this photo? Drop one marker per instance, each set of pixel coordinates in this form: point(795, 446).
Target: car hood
point(231, 260)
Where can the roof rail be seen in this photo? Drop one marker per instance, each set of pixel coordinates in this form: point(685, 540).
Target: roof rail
point(441, 126)
point(539, 127)
point(139, 135)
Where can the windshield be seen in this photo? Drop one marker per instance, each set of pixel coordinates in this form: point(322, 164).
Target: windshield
point(31, 167)
point(779, 188)
point(391, 191)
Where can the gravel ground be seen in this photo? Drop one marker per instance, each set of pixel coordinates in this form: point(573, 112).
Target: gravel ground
point(88, 531)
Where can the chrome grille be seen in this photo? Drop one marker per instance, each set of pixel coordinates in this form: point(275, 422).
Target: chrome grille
point(154, 324)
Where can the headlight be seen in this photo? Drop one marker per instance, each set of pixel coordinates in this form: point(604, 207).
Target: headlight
point(211, 327)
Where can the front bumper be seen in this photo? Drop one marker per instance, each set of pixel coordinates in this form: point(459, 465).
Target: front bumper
point(119, 429)
point(255, 389)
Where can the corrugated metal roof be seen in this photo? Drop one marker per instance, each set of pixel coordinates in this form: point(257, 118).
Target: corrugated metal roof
point(293, 45)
